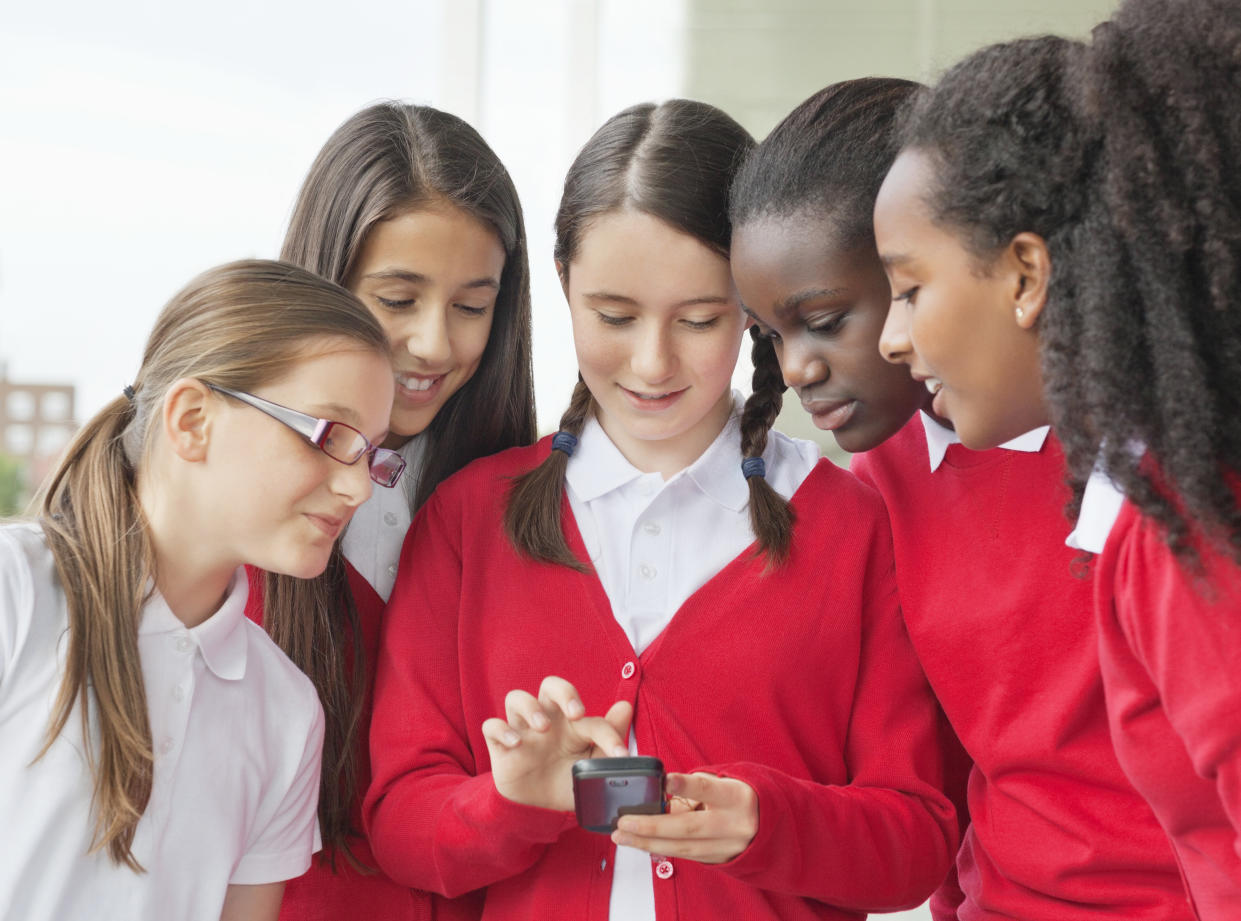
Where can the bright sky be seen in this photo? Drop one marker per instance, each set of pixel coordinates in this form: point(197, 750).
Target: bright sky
point(139, 146)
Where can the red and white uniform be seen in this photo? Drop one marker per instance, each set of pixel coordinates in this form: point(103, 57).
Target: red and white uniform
point(371, 546)
point(1170, 648)
point(799, 682)
point(1001, 618)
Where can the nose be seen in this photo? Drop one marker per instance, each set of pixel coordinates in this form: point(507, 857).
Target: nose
point(894, 342)
point(654, 358)
point(426, 336)
point(352, 482)
point(801, 366)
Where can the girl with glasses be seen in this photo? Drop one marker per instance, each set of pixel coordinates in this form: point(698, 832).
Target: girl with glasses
point(409, 209)
point(161, 755)
point(665, 576)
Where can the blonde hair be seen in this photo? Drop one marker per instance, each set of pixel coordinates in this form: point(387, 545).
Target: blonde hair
point(238, 326)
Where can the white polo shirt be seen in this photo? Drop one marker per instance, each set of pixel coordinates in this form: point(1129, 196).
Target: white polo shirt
point(237, 731)
point(654, 542)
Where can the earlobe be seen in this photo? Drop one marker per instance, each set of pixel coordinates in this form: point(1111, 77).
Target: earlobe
point(1032, 262)
point(187, 417)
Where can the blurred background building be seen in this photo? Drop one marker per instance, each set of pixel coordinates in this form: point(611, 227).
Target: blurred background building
point(141, 142)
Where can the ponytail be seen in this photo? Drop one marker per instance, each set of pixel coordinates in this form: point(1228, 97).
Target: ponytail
point(771, 517)
point(532, 516)
point(103, 560)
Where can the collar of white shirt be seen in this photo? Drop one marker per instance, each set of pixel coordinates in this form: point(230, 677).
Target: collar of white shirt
point(598, 467)
point(939, 438)
point(221, 638)
point(1101, 504)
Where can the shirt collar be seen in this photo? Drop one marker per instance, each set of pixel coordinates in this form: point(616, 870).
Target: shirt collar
point(221, 638)
point(1101, 504)
point(939, 438)
point(598, 467)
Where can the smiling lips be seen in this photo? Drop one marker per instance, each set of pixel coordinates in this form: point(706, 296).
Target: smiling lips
point(329, 524)
point(652, 402)
point(418, 388)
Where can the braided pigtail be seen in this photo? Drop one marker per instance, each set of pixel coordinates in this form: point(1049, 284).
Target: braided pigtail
point(532, 516)
point(771, 517)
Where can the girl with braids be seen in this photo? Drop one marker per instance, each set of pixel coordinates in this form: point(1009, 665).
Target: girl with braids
point(1043, 782)
point(161, 755)
point(408, 208)
point(1063, 232)
point(646, 563)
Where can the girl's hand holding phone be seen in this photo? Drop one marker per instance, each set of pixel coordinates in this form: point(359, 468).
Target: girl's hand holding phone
point(710, 819)
point(533, 748)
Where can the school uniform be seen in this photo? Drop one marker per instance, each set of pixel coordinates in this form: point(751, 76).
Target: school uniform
point(802, 686)
point(371, 546)
point(237, 732)
point(1000, 615)
point(1170, 649)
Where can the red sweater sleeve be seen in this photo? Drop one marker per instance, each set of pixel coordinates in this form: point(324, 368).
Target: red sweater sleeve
point(433, 824)
point(886, 839)
point(1184, 627)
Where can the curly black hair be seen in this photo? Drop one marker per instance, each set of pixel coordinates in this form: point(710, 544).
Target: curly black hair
point(1123, 156)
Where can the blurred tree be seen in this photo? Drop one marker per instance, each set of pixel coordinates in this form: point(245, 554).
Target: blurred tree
point(12, 486)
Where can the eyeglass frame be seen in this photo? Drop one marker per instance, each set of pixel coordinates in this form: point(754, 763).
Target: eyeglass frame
point(314, 429)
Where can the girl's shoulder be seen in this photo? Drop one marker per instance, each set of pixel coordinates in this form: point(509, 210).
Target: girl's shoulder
point(491, 474)
point(27, 585)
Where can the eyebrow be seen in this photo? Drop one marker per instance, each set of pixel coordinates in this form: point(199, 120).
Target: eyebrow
point(609, 297)
point(418, 278)
point(793, 301)
point(335, 412)
point(894, 259)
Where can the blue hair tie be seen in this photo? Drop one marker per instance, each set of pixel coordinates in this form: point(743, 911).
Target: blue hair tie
point(753, 466)
point(129, 392)
point(563, 441)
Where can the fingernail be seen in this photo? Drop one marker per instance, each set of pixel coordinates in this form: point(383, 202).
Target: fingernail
point(576, 710)
point(620, 751)
point(511, 738)
point(539, 721)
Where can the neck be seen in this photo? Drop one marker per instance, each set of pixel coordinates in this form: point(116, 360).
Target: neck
point(668, 456)
point(192, 583)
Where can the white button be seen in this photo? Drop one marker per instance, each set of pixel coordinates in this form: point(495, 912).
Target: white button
point(648, 571)
point(627, 670)
point(663, 869)
point(651, 527)
point(392, 570)
point(184, 644)
point(178, 693)
point(389, 518)
point(165, 746)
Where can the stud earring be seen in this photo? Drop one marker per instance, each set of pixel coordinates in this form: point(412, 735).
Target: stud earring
point(1021, 314)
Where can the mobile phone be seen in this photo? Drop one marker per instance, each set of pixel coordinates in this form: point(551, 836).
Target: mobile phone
point(604, 789)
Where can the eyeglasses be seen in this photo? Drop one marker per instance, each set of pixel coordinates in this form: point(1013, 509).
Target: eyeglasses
point(337, 440)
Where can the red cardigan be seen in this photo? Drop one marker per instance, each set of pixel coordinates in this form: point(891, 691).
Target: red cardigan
point(1004, 629)
point(324, 894)
point(800, 683)
point(1170, 645)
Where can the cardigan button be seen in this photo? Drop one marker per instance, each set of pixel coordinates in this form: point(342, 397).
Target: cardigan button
point(627, 670)
point(663, 869)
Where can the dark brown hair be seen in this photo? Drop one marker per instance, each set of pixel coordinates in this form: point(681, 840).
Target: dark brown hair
point(675, 162)
point(236, 326)
point(386, 160)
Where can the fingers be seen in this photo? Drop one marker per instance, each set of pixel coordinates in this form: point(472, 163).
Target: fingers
point(499, 734)
point(619, 716)
point(523, 712)
point(558, 693)
point(603, 736)
point(718, 828)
